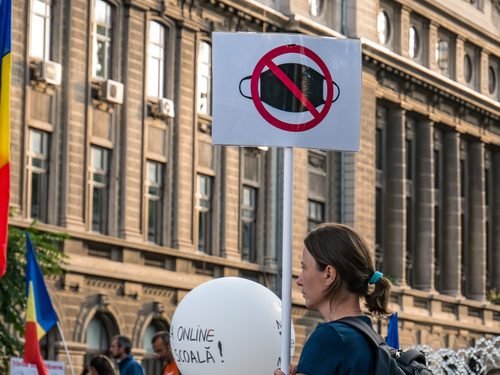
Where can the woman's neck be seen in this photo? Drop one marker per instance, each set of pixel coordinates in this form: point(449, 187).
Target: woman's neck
point(347, 306)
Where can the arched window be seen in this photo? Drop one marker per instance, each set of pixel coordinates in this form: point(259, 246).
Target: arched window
point(48, 344)
point(383, 27)
point(150, 363)
point(148, 336)
point(97, 336)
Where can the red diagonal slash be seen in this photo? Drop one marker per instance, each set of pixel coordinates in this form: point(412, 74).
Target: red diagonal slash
point(267, 61)
point(292, 87)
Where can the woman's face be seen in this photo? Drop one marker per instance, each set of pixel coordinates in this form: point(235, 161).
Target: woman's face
point(312, 281)
point(93, 371)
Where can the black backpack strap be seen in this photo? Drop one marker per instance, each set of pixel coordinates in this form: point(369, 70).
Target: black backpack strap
point(411, 355)
point(365, 328)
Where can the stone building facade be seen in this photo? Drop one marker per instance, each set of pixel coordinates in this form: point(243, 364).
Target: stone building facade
point(111, 143)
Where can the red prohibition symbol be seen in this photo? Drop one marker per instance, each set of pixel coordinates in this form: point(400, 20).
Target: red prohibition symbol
point(267, 61)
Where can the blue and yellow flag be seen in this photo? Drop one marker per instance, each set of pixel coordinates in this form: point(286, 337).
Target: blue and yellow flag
point(40, 314)
point(5, 62)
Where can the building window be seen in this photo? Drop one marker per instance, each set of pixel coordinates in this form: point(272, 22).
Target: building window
point(204, 213)
point(315, 7)
point(317, 187)
point(40, 29)
point(442, 56)
point(97, 337)
point(205, 79)
point(413, 42)
point(468, 68)
point(383, 27)
point(148, 336)
point(48, 346)
point(99, 188)
point(102, 40)
point(315, 214)
point(39, 173)
point(150, 361)
point(156, 60)
point(248, 224)
point(154, 197)
point(492, 80)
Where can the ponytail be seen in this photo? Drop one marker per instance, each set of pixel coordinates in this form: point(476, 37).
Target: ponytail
point(377, 299)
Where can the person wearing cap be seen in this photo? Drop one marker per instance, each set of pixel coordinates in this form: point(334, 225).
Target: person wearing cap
point(337, 273)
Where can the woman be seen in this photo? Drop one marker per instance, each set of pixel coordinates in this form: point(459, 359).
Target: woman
point(101, 365)
point(336, 271)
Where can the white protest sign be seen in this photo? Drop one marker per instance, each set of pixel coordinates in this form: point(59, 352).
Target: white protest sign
point(55, 367)
point(18, 367)
point(286, 90)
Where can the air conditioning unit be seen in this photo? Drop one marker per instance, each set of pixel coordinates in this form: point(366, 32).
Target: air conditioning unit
point(163, 108)
point(50, 72)
point(112, 91)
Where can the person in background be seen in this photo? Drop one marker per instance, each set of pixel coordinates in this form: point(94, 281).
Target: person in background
point(163, 351)
point(337, 271)
point(101, 365)
point(120, 350)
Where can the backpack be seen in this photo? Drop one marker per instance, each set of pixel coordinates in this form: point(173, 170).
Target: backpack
point(390, 361)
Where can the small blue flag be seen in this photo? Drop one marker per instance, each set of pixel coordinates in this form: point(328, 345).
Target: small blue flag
point(392, 332)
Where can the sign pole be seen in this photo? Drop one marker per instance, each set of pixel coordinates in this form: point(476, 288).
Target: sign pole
point(286, 280)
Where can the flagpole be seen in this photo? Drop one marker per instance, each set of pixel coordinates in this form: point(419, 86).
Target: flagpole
point(286, 280)
point(66, 348)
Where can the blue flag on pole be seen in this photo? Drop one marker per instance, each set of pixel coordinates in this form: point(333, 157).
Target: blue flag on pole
point(392, 331)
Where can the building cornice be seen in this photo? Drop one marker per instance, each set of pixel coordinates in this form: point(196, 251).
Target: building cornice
point(143, 246)
point(430, 80)
point(452, 20)
point(251, 11)
point(303, 25)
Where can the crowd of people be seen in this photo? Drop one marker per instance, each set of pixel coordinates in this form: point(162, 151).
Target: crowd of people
point(120, 350)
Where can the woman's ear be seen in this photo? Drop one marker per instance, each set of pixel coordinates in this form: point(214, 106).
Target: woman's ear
point(330, 274)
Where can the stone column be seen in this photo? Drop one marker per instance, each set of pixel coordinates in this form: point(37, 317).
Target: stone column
point(230, 203)
point(424, 230)
point(129, 174)
point(451, 217)
point(183, 140)
point(496, 223)
point(395, 209)
point(476, 249)
point(483, 78)
point(404, 35)
point(459, 59)
point(433, 40)
point(272, 206)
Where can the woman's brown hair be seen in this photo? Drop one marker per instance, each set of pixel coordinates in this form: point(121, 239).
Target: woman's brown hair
point(341, 247)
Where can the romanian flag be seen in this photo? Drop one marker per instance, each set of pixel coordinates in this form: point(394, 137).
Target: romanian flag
point(40, 315)
point(5, 44)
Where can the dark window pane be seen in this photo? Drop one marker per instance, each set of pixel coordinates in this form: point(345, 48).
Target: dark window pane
point(100, 189)
point(155, 201)
point(36, 186)
point(249, 214)
point(38, 155)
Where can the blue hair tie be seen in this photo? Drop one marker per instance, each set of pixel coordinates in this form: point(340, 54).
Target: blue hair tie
point(375, 277)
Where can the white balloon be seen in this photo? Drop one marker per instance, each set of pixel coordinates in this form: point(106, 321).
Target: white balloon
point(228, 326)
